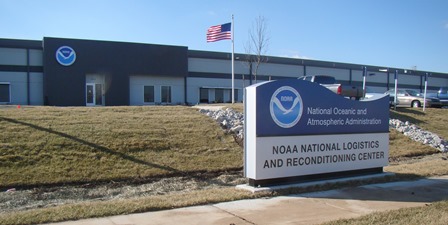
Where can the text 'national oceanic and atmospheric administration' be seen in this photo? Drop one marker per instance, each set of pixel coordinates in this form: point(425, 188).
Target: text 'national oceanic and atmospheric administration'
point(335, 111)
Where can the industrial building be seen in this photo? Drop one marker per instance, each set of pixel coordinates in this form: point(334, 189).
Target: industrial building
point(74, 72)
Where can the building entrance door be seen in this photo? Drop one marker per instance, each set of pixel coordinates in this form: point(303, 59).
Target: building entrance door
point(94, 94)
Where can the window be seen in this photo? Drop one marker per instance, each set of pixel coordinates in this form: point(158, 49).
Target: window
point(5, 96)
point(219, 95)
point(203, 92)
point(236, 95)
point(166, 94)
point(324, 80)
point(148, 95)
point(401, 93)
point(235, 92)
point(413, 93)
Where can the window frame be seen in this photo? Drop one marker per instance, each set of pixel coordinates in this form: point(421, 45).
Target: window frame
point(219, 95)
point(235, 93)
point(169, 96)
point(9, 92)
point(205, 91)
point(153, 94)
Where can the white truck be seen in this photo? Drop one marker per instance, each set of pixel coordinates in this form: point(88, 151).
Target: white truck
point(329, 82)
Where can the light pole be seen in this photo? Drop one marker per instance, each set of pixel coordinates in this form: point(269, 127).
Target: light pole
point(395, 90)
point(364, 87)
point(396, 84)
point(364, 73)
point(424, 95)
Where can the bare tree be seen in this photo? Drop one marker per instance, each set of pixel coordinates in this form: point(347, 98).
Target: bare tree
point(257, 45)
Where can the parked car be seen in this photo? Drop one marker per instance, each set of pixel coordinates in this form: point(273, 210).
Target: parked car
point(442, 95)
point(411, 98)
point(373, 96)
point(329, 82)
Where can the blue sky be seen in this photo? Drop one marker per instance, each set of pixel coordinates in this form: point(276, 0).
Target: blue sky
point(389, 33)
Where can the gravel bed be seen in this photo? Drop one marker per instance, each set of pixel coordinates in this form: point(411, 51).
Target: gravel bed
point(17, 200)
point(417, 134)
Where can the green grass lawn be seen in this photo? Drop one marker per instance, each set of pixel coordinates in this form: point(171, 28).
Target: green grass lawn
point(57, 145)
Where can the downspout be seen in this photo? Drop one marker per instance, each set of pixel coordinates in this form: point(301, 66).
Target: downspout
point(250, 73)
point(388, 83)
point(350, 77)
point(185, 90)
point(421, 83)
point(28, 76)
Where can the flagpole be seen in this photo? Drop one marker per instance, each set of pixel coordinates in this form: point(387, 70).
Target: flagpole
point(233, 68)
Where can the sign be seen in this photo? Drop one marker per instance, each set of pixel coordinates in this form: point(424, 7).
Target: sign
point(65, 55)
point(295, 128)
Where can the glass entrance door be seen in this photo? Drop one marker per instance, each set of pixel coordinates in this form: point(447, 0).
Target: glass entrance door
point(98, 94)
point(90, 94)
point(94, 94)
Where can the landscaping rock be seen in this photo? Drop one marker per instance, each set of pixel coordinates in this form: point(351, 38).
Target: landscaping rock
point(231, 120)
point(417, 134)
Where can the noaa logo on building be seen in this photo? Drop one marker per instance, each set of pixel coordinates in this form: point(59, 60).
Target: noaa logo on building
point(286, 107)
point(65, 55)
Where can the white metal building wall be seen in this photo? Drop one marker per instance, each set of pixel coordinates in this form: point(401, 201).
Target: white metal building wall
point(18, 57)
point(13, 56)
point(18, 80)
point(339, 74)
point(215, 66)
point(195, 83)
point(138, 82)
point(274, 69)
point(407, 79)
point(224, 66)
point(357, 76)
point(36, 57)
point(36, 89)
point(438, 82)
point(17, 85)
point(377, 78)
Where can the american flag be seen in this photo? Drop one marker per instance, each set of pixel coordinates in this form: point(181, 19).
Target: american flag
point(219, 32)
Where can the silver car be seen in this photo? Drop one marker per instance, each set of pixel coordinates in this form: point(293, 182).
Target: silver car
point(411, 98)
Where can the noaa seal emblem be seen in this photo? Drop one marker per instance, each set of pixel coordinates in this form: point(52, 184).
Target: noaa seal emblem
point(65, 56)
point(286, 107)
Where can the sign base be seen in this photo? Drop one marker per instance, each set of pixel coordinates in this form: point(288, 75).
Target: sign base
point(313, 177)
point(314, 185)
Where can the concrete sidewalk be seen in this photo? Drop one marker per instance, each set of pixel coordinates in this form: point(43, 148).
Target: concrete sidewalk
point(310, 208)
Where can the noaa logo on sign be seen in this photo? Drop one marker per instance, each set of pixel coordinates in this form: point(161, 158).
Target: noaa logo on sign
point(286, 107)
point(65, 56)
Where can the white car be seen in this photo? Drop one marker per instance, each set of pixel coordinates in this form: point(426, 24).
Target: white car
point(411, 98)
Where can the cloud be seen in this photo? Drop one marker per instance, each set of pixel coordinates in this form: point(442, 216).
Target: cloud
point(211, 13)
point(293, 54)
point(299, 57)
point(446, 25)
